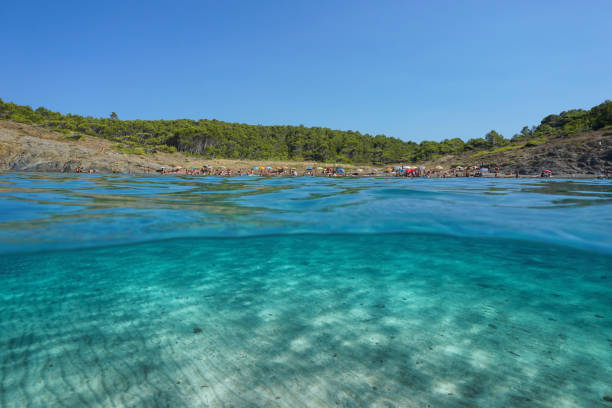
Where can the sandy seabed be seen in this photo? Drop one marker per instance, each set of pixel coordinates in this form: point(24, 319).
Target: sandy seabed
point(307, 321)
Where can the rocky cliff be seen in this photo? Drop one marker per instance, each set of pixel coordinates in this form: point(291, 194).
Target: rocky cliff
point(32, 148)
point(586, 154)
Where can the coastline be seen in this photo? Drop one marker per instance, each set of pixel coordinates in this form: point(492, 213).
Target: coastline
point(36, 149)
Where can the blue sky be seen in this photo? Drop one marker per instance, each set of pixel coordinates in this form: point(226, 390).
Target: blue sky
point(425, 70)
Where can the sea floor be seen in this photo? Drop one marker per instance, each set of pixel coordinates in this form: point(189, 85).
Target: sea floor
point(380, 320)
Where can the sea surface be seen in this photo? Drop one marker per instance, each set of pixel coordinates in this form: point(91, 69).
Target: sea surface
point(152, 291)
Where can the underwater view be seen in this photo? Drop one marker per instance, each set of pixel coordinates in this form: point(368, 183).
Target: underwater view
point(177, 291)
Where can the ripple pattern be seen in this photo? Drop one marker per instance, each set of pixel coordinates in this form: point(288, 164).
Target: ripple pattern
point(395, 320)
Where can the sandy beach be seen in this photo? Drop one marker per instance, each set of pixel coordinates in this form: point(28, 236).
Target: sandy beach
point(33, 148)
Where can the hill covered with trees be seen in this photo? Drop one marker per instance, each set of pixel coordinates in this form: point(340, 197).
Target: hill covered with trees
point(217, 139)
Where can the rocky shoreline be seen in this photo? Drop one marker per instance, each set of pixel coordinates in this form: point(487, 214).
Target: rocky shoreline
point(585, 155)
point(30, 148)
point(33, 148)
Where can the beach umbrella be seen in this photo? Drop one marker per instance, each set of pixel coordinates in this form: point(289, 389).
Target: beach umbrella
point(319, 168)
point(340, 170)
point(359, 170)
point(389, 169)
point(439, 167)
point(459, 168)
point(268, 168)
point(255, 168)
point(547, 171)
point(279, 168)
point(261, 168)
point(309, 169)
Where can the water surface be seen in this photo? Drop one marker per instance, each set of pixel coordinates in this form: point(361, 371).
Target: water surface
point(177, 291)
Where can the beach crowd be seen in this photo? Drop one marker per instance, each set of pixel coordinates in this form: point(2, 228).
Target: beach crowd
point(397, 171)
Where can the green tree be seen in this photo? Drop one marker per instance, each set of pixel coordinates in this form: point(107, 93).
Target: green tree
point(213, 138)
point(602, 115)
point(475, 144)
point(526, 132)
point(494, 139)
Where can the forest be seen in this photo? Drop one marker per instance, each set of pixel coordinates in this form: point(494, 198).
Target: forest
point(216, 139)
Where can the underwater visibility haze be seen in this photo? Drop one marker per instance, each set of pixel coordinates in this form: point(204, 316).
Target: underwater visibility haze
point(123, 290)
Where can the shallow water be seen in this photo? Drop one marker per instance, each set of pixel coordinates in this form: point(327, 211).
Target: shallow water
point(155, 291)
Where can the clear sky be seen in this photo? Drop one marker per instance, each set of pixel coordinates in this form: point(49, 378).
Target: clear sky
point(425, 70)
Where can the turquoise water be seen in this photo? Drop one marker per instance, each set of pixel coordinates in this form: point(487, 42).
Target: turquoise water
point(249, 292)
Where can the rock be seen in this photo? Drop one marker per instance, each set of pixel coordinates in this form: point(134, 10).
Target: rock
point(197, 330)
point(34, 148)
